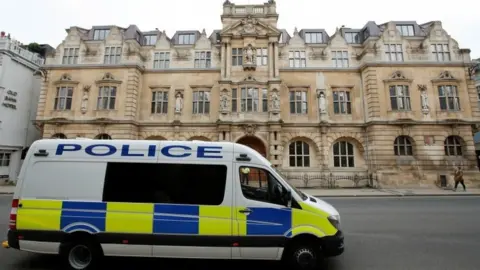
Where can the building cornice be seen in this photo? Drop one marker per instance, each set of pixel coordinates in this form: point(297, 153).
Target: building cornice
point(93, 66)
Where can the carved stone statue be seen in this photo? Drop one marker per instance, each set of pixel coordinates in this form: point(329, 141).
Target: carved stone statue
point(178, 102)
point(322, 103)
point(275, 102)
point(249, 55)
point(424, 100)
point(224, 103)
point(84, 102)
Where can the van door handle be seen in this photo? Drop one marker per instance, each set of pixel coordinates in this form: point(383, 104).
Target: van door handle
point(245, 211)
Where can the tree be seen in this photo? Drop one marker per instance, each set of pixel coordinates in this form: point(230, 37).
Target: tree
point(36, 48)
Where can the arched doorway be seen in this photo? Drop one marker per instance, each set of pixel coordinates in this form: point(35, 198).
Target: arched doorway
point(156, 138)
point(199, 138)
point(254, 143)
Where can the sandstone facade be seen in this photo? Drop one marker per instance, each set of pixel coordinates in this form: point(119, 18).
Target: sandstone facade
point(394, 101)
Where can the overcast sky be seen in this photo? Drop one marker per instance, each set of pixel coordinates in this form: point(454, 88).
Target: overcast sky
point(45, 21)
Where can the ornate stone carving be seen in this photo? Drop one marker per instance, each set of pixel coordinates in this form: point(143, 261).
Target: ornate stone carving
point(178, 102)
point(224, 101)
point(249, 25)
point(446, 75)
point(397, 75)
point(250, 129)
point(182, 54)
point(275, 101)
point(84, 106)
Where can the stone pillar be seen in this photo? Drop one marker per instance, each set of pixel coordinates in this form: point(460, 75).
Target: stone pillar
point(275, 63)
point(270, 59)
point(223, 60)
point(229, 59)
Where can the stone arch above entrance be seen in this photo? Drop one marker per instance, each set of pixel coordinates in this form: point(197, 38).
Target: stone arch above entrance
point(199, 138)
point(254, 143)
point(156, 138)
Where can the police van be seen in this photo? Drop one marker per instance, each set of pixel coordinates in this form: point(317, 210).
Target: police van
point(85, 199)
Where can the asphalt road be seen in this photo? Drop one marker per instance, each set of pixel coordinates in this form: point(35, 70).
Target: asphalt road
point(381, 233)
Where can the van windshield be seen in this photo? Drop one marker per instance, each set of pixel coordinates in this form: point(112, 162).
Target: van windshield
point(299, 193)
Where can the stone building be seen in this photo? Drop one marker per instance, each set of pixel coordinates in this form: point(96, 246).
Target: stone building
point(392, 100)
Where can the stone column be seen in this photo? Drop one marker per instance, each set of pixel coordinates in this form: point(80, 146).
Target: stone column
point(270, 59)
point(229, 58)
point(223, 60)
point(275, 51)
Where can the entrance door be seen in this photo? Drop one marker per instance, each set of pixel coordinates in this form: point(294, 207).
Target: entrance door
point(254, 143)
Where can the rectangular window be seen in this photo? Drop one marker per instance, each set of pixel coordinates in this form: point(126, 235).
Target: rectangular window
point(312, 37)
point(297, 59)
point(159, 102)
point(113, 55)
point(406, 29)
point(260, 185)
point(106, 98)
point(449, 99)
point(203, 59)
point(70, 56)
point(161, 60)
point(440, 52)
point(234, 99)
point(194, 184)
point(262, 57)
point(5, 159)
point(341, 102)
point(400, 98)
point(201, 102)
point(186, 39)
point(352, 37)
point(340, 58)
point(237, 56)
point(264, 100)
point(100, 34)
point(150, 40)
point(298, 102)
point(63, 99)
point(394, 52)
point(249, 99)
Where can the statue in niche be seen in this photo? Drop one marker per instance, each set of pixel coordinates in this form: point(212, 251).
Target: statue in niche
point(84, 101)
point(224, 103)
point(322, 103)
point(178, 102)
point(249, 55)
point(424, 99)
point(275, 102)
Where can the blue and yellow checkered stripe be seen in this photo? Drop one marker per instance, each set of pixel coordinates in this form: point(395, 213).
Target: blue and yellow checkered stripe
point(112, 217)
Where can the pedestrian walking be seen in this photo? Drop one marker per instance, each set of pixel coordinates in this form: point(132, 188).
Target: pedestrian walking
point(458, 178)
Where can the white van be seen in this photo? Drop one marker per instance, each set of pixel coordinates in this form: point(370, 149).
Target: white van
point(84, 199)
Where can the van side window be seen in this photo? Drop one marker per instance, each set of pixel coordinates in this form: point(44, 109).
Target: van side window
point(165, 183)
point(260, 185)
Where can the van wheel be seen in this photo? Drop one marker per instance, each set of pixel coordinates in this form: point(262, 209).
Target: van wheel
point(304, 257)
point(81, 255)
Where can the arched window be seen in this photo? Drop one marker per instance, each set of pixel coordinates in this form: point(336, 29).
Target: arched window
point(103, 136)
point(59, 136)
point(343, 154)
point(453, 146)
point(299, 154)
point(403, 146)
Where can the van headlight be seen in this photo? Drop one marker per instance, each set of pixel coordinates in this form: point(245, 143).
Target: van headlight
point(335, 221)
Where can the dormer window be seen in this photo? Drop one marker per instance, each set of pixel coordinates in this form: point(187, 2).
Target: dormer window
point(352, 37)
point(100, 34)
point(149, 40)
point(313, 37)
point(405, 29)
point(186, 39)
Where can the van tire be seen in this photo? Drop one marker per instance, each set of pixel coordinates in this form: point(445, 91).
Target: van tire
point(303, 256)
point(81, 254)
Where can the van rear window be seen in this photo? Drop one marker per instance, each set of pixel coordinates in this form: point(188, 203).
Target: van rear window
point(165, 183)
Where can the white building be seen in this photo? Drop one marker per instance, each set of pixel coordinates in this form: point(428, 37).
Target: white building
point(19, 93)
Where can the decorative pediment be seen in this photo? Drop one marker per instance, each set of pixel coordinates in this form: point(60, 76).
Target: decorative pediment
point(65, 79)
point(445, 76)
point(249, 78)
point(203, 42)
point(163, 42)
point(337, 41)
point(250, 27)
point(397, 76)
point(108, 79)
point(296, 40)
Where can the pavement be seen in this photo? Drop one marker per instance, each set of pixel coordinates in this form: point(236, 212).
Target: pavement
point(360, 192)
point(394, 233)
